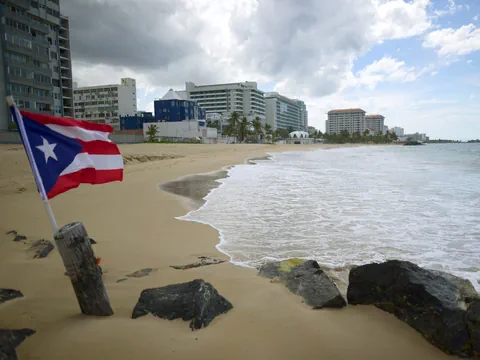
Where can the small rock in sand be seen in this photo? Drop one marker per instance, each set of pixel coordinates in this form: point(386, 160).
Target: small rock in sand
point(204, 261)
point(11, 232)
point(41, 248)
point(9, 294)
point(121, 280)
point(10, 339)
point(196, 300)
point(142, 272)
point(19, 238)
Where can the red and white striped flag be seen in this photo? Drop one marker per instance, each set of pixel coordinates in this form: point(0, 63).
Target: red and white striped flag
point(68, 152)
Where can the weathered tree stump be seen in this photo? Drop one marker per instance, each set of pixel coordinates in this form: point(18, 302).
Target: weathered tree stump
point(74, 246)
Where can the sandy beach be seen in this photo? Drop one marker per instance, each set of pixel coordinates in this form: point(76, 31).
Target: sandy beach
point(135, 227)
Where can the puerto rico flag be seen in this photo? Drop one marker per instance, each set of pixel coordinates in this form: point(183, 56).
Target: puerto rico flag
point(65, 153)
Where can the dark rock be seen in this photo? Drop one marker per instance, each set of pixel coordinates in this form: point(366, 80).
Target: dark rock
point(432, 302)
point(19, 238)
point(121, 280)
point(306, 279)
point(196, 300)
point(142, 272)
point(93, 242)
point(9, 294)
point(473, 323)
point(10, 339)
point(41, 248)
point(11, 232)
point(204, 261)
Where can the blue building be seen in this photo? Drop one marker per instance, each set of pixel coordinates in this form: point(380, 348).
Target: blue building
point(136, 121)
point(172, 107)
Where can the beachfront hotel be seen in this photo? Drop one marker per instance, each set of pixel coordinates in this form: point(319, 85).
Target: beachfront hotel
point(376, 123)
point(399, 131)
point(285, 113)
point(35, 63)
point(351, 120)
point(105, 104)
point(224, 99)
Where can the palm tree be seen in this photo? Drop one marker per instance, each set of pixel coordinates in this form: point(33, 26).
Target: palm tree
point(152, 133)
point(257, 126)
point(268, 129)
point(234, 119)
point(243, 126)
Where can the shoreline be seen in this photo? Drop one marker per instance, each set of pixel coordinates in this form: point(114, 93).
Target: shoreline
point(135, 227)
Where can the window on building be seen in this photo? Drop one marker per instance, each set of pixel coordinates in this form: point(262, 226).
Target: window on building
point(25, 104)
point(19, 89)
point(42, 78)
point(42, 50)
point(17, 57)
point(17, 25)
point(14, 71)
point(15, 9)
point(53, 12)
point(40, 65)
point(56, 82)
point(17, 40)
point(41, 93)
point(53, 55)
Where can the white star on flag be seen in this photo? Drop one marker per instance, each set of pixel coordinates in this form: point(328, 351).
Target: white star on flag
point(47, 150)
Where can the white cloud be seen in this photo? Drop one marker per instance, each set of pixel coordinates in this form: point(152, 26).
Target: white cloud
point(387, 69)
point(475, 18)
point(450, 42)
point(398, 19)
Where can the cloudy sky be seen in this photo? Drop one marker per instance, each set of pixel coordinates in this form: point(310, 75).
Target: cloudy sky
point(417, 62)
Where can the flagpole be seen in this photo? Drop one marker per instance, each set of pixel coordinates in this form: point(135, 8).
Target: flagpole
point(38, 179)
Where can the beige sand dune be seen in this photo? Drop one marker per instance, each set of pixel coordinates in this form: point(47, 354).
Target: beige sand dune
point(135, 226)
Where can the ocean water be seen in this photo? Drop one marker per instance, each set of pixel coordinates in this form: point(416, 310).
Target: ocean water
point(352, 206)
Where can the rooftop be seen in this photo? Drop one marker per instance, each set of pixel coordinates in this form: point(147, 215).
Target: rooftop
point(375, 116)
point(171, 95)
point(339, 111)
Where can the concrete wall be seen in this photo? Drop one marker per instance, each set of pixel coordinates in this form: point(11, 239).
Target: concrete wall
point(127, 138)
point(7, 137)
point(179, 129)
point(14, 138)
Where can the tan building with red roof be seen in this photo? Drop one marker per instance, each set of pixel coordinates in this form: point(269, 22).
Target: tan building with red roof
point(351, 120)
point(375, 122)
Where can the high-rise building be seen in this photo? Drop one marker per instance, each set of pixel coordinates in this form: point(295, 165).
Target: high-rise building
point(106, 103)
point(375, 122)
point(351, 120)
point(224, 99)
point(285, 113)
point(397, 131)
point(35, 58)
point(65, 67)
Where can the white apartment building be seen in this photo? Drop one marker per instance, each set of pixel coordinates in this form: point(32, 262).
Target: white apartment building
point(35, 63)
point(375, 122)
point(106, 103)
point(397, 131)
point(285, 113)
point(224, 99)
point(351, 120)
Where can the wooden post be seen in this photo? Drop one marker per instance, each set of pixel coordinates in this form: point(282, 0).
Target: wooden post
point(74, 246)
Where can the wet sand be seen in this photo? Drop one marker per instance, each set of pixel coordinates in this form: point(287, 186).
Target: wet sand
point(135, 227)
